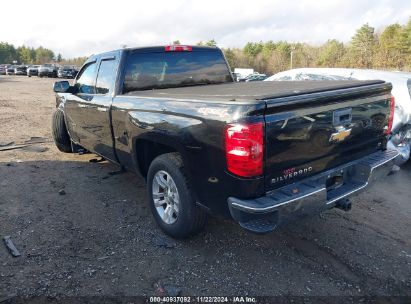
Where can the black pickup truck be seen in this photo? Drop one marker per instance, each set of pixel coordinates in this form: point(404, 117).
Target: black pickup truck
point(262, 153)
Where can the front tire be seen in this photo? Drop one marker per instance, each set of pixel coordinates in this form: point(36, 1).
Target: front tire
point(60, 134)
point(171, 199)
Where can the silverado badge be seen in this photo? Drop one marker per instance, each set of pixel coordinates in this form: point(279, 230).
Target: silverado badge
point(291, 173)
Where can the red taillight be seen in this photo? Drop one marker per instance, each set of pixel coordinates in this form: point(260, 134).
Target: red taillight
point(244, 146)
point(178, 48)
point(391, 117)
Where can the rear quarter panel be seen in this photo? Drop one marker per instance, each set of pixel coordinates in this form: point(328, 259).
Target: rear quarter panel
point(196, 130)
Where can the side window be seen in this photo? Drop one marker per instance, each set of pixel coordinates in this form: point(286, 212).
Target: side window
point(85, 79)
point(106, 76)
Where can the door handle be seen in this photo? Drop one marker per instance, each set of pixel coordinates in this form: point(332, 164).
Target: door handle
point(101, 109)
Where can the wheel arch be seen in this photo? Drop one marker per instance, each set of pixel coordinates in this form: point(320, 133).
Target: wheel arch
point(151, 145)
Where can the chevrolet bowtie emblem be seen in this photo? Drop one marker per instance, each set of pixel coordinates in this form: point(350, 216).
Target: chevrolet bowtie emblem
point(340, 135)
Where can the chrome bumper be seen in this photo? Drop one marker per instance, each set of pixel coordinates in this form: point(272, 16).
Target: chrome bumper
point(312, 195)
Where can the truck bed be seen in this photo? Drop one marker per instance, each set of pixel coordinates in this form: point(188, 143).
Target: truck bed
point(251, 91)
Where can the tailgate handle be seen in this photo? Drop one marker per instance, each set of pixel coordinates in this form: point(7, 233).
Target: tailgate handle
point(342, 117)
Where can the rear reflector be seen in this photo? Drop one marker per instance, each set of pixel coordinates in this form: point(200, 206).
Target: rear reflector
point(244, 146)
point(391, 117)
point(178, 48)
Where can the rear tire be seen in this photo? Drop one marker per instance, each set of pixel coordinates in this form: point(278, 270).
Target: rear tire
point(188, 218)
point(60, 134)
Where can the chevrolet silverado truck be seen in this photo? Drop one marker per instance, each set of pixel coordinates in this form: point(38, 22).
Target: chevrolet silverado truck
point(261, 153)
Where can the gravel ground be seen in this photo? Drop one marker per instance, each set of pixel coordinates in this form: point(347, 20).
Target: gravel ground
point(84, 232)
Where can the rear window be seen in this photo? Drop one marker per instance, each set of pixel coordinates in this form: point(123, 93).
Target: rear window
point(161, 70)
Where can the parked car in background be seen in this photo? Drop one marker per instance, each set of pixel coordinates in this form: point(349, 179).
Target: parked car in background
point(241, 73)
point(33, 70)
point(3, 70)
point(10, 70)
point(252, 77)
point(20, 70)
point(67, 72)
point(47, 70)
point(236, 76)
point(255, 77)
point(401, 90)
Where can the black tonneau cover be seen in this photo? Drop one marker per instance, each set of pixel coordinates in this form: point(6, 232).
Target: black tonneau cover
point(258, 90)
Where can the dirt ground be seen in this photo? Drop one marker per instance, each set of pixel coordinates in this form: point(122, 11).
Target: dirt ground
point(99, 238)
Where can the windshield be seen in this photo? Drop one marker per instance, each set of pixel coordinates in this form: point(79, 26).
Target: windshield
point(161, 70)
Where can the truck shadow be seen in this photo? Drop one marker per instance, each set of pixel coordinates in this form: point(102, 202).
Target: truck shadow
point(84, 219)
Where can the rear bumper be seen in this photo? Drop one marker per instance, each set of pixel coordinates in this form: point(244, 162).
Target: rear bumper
point(312, 195)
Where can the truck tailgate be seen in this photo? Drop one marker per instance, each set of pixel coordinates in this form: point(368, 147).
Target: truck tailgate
point(312, 132)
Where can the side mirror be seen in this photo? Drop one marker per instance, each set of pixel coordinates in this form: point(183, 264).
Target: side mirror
point(61, 86)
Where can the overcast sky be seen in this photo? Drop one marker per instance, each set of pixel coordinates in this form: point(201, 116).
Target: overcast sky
point(81, 28)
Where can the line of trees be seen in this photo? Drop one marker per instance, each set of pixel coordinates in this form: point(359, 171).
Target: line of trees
point(26, 55)
point(389, 49)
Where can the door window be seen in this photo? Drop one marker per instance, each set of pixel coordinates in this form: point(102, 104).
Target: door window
point(86, 78)
point(106, 76)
